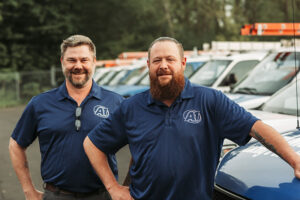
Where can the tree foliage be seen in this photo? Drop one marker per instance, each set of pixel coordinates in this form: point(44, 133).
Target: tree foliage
point(32, 30)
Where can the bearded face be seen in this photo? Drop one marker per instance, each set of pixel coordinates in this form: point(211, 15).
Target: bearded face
point(167, 91)
point(73, 74)
point(166, 67)
point(78, 65)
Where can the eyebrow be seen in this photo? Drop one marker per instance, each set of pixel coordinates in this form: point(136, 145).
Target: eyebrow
point(74, 58)
point(160, 57)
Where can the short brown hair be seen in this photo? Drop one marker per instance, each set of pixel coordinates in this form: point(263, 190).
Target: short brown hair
point(77, 40)
point(167, 39)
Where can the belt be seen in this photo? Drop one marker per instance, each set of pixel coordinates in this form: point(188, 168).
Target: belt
point(57, 190)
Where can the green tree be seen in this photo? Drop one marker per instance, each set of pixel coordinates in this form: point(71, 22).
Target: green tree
point(118, 26)
point(31, 32)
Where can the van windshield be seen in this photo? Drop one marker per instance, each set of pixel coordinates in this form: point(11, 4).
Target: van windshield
point(271, 74)
point(285, 102)
point(192, 67)
point(209, 72)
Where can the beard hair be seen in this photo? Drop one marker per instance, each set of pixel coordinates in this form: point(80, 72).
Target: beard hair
point(77, 84)
point(169, 91)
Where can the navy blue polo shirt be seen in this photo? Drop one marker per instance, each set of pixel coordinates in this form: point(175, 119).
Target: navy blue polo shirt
point(175, 149)
point(50, 116)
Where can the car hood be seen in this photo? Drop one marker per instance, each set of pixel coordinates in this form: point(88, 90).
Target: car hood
point(109, 87)
point(130, 90)
point(248, 101)
point(280, 122)
point(254, 172)
point(223, 88)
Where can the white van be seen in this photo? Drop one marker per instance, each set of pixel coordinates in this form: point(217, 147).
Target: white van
point(275, 71)
point(222, 72)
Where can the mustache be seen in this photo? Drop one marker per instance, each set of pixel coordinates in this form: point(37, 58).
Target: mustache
point(78, 71)
point(162, 72)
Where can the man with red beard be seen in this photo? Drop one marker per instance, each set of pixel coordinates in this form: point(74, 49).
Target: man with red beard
point(175, 133)
point(61, 119)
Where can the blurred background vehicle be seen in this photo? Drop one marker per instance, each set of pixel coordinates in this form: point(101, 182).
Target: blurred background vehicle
point(222, 72)
point(128, 75)
point(280, 112)
point(270, 75)
point(107, 75)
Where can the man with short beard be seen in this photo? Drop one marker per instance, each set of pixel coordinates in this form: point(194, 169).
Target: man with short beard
point(175, 133)
point(61, 119)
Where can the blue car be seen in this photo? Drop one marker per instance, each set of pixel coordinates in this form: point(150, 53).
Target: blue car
point(254, 172)
point(130, 90)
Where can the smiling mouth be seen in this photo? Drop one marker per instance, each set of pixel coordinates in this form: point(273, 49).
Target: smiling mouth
point(79, 73)
point(164, 74)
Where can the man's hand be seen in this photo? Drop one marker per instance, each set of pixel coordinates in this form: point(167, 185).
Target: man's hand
point(34, 195)
point(99, 161)
point(296, 167)
point(20, 165)
point(271, 139)
point(118, 192)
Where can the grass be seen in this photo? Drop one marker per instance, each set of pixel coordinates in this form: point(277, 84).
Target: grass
point(11, 103)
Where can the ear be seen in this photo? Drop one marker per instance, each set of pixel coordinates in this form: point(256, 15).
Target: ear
point(61, 60)
point(148, 63)
point(183, 63)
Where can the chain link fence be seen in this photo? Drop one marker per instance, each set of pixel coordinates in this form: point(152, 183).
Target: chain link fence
point(19, 87)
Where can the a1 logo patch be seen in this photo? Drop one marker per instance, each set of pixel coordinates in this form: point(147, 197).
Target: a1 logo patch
point(192, 116)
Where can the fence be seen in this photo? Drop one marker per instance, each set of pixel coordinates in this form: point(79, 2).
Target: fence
point(19, 87)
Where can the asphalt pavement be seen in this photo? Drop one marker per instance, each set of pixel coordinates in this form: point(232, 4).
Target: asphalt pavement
point(10, 188)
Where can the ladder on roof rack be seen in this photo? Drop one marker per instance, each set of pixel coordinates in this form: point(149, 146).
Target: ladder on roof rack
point(271, 29)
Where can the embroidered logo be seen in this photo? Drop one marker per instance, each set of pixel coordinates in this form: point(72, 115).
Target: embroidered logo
point(101, 111)
point(192, 116)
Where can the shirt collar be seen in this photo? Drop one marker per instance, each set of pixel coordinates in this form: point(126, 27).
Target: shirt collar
point(187, 93)
point(95, 92)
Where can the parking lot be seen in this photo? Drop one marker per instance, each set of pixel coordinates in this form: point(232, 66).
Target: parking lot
point(10, 188)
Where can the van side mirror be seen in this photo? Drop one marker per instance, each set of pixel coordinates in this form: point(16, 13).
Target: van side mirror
point(229, 80)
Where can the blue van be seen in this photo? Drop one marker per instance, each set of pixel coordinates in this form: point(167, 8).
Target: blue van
point(254, 172)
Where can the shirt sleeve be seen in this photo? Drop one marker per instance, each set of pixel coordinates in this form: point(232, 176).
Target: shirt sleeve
point(234, 121)
point(110, 135)
point(25, 131)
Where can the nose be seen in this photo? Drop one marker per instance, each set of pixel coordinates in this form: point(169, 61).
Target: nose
point(77, 64)
point(164, 64)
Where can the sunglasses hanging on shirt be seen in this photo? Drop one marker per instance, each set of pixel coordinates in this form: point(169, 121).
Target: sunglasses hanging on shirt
point(77, 115)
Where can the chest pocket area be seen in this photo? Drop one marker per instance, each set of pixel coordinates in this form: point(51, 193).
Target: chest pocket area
point(192, 116)
point(145, 129)
point(189, 124)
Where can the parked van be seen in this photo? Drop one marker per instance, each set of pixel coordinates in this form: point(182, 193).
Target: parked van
point(274, 72)
point(222, 72)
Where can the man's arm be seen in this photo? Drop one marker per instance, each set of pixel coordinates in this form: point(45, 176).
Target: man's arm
point(272, 140)
point(99, 161)
point(20, 165)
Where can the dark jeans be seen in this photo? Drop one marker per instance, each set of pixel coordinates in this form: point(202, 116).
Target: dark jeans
point(102, 195)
